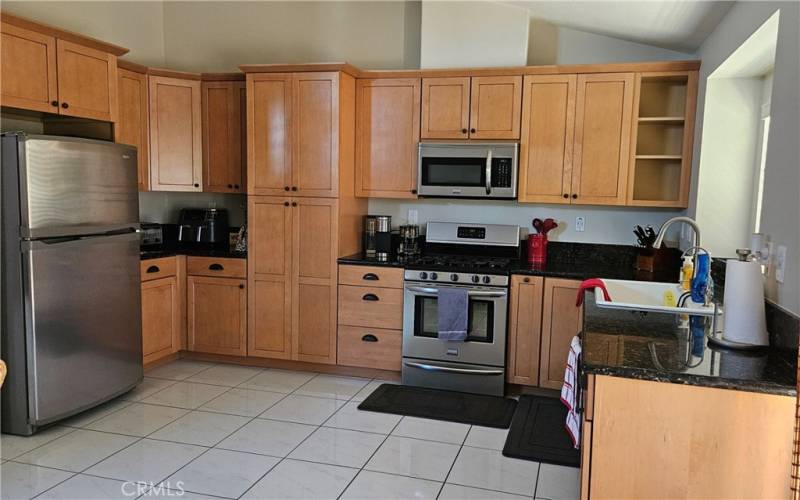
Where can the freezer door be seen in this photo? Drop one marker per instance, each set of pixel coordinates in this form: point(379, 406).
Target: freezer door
point(74, 186)
point(83, 322)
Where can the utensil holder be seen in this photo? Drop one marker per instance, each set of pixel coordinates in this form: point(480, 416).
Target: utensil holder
point(537, 248)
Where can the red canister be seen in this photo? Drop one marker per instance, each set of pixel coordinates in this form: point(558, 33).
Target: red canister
point(537, 248)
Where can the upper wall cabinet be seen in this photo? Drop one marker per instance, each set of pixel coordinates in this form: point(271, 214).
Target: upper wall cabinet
point(387, 134)
point(132, 125)
point(224, 130)
point(175, 134)
point(479, 107)
point(54, 71)
point(293, 132)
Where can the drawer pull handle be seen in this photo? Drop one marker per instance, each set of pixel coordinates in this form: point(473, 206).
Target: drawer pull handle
point(153, 269)
point(216, 267)
point(369, 338)
point(370, 277)
point(371, 297)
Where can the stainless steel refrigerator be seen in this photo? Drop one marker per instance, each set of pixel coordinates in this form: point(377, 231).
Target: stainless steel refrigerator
point(71, 305)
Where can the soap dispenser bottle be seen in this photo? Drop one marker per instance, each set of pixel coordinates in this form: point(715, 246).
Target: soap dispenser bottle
point(701, 278)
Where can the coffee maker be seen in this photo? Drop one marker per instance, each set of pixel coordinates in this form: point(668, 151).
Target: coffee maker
point(203, 228)
point(378, 237)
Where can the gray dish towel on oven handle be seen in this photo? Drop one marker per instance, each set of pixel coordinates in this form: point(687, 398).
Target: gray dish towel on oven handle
point(453, 307)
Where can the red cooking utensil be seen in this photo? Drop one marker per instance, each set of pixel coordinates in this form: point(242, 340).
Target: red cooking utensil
point(548, 225)
point(538, 225)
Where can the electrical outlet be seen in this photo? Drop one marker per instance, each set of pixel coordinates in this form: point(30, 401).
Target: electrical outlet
point(780, 263)
point(413, 216)
point(580, 224)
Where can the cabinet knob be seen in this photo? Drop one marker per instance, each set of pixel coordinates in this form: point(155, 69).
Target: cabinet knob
point(241, 287)
point(64, 105)
point(294, 188)
point(285, 203)
point(472, 131)
point(294, 203)
point(230, 186)
point(574, 196)
point(196, 185)
point(54, 103)
point(526, 280)
point(566, 196)
point(285, 188)
point(413, 191)
point(235, 186)
point(463, 131)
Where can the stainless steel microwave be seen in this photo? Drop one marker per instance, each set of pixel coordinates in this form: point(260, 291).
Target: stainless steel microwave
point(468, 170)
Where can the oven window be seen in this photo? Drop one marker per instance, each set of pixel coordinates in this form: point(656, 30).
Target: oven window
point(459, 172)
point(480, 325)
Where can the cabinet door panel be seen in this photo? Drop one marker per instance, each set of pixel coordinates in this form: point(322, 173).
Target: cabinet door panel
point(28, 65)
point(387, 135)
point(160, 318)
point(525, 330)
point(548, 124)
point(315, 237)
point(496, 103)
point(445, 108)
point(602, 138)
point(269, 318)
point(175, 135)
point(561, 321)
point(87, 82)
point(217, 315)
point(269, 134)
point(270, 237)
point(132, 125)
point(316, 134)
point(315, 330)
point(222, 136)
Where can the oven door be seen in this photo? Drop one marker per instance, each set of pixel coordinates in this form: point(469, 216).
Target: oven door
point(467, 170)
point(486, 337)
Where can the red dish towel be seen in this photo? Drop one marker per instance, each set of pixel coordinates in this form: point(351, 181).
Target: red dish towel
point(590, 285)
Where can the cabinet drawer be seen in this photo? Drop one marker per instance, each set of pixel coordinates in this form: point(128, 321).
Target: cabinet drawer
point(369, 347)
point(214, 266)
point(371, 307)
point(153, 269)
point(374, 276)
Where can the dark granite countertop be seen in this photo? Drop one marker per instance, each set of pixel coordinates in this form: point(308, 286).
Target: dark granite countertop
point(359, 259)
point(227, 254)
point(653, 346)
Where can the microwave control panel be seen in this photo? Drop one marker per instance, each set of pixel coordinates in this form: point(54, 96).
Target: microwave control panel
point(501, 172)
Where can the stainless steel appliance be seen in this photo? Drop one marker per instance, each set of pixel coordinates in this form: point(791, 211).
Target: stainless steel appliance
point(467, 170)
point(477, 258)
point(378, 236)
point(409, 241)
point(205, 227)
point(71, 324)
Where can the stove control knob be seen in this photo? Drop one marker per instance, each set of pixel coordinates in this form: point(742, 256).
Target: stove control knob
point(434, 276)
point(476, 278)
point(487, 279)
point(454, 277)
point(423, 275)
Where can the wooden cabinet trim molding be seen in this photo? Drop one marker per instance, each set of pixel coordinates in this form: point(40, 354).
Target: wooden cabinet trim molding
point(62, 34)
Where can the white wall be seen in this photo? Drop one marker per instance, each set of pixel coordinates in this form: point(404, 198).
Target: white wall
point(460, 34)
point(139, 26)
point(550, 44)
point(163, 207)
point(781, 210)
point(725, 186)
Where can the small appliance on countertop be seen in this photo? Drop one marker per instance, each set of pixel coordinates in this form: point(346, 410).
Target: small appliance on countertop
point(203, 228)
point(378, 237)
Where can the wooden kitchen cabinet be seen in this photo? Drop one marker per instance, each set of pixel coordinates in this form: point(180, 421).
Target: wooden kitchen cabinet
point(217, 315)
point(175, 134)
point(387, 136)
point(524, 329)
point(224, 131)
point(163, 307)
point(542, 320)
point(133, 123)
point(54, 71)
point(603, 111)
point(478, 107)
point(690, 442)
point(295, 141)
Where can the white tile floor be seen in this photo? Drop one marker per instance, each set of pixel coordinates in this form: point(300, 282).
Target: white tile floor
point(225, 431)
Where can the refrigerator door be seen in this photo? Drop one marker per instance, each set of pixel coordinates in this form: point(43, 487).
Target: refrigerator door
point(71, 186)
point(83, 322)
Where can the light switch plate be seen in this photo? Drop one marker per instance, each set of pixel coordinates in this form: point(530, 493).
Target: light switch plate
point(580, 224)
point(780, 263)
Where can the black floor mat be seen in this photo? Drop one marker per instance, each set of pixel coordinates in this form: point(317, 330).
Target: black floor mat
point(538, 433)
point(475, 409)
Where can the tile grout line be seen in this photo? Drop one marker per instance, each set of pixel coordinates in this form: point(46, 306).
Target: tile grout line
point(447, 476)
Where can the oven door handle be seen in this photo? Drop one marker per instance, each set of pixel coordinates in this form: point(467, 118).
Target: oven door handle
point(434, 291)
point(447, 369)
point(489, 172)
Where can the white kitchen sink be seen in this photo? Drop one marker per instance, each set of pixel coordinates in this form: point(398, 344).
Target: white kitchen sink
point(647, 296)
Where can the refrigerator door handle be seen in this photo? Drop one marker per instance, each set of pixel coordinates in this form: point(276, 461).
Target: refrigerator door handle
point(76, 240)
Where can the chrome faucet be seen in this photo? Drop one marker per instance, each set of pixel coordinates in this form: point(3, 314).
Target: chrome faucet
point(667, 224)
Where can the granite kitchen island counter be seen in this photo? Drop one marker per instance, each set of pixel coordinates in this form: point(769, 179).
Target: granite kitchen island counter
point(653, 346)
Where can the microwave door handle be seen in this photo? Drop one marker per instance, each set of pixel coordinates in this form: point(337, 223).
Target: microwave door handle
point(489, 172)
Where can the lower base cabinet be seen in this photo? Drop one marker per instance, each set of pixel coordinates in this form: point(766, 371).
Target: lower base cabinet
point(217, 315)
point(370, 347)
point(163, 306)
point(644, 439)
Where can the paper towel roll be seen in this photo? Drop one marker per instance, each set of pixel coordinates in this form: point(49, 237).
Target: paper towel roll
point(744, 317)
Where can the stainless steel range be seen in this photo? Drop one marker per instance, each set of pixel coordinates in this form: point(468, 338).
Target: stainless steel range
point(475, 257)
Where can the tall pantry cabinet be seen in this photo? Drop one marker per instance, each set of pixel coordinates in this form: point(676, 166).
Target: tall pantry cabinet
point(302, 210)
